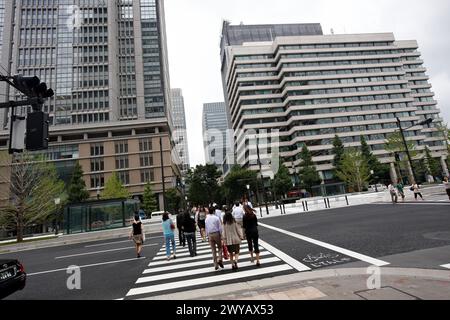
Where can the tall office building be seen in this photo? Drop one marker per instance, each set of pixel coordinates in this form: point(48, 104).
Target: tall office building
point(311, 87)
point(107, 63)
point(180, 129)
point(216, 139)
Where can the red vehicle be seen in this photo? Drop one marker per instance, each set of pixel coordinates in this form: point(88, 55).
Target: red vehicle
point(295, 194)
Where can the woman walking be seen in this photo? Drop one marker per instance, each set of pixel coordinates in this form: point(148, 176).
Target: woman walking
point(415, 187)
point(189, 233)
point(137, 234)
point(169, 236)
point(232, 237)
point(200, 219)
point(250, 222)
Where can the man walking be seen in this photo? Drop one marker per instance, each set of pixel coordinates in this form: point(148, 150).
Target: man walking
point(181, 238)
point(400, 188)
point(214, 230)
point(393, 193)
point(189, 233)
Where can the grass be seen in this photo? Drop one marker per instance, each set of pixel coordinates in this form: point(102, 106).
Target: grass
point(27, 241)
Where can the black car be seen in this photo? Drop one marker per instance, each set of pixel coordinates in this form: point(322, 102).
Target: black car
point(12, 277)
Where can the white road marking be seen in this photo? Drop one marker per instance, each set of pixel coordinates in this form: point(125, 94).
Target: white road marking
point(286, 258)
point(207, 252)
point(370, 260)
point(184, 250)
point(446, 266)
point(171, 267)
point(208, 280)
point(199, 271)
point(103, 251)
point(108, 243)
point(85, 266)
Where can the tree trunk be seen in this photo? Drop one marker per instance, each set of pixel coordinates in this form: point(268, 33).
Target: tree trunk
point(19, 227)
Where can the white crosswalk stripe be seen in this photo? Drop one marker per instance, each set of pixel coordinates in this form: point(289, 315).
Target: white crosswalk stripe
point(186, 272)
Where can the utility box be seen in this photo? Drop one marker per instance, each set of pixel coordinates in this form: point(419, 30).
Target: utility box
point(37, 131)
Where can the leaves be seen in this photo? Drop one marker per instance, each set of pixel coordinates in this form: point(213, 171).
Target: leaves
point(149, 200)
point(236, 182)
point(114, 189)
point(77, 188)
point(354, 170)
point(309, 176)
point(282, 182)
point(202, 182)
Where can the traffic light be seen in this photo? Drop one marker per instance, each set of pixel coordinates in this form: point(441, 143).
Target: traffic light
point(37, 131)
point(32, 87)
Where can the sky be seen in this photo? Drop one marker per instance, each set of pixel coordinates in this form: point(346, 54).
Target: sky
point(194, 29)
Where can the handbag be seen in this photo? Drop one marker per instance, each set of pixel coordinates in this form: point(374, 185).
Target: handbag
point(172, 226)
point(226, 254)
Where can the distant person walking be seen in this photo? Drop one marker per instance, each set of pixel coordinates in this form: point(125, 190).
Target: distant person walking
point(238, 214)
point(447, 186)
point(213, 228)
point(200, 220)
point(189, 228)
point(251, 231)
point(416, 189)
point(400, 188)
point(179, 220)
point(393, 193)
point(232, 237)
point(137, 234)
point(169, 236)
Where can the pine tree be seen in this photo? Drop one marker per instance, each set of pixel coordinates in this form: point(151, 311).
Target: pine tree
point(308, 172)
point(338, 151)
point(282, 181)
point(114, 189)
point(77, 188)
point(381, 171)
point(149, 204)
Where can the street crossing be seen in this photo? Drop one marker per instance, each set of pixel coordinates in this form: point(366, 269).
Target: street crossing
point(188, 273)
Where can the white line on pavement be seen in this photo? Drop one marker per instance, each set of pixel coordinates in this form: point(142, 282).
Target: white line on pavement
point(199, 271)
point(86, 266)
point(102, 251)
point(184, 250)
point(372, 261)
point(188, 254)
point(446, 266)
point(108, 243)
point(286, 258)
point(207, 280)
point(171, 267)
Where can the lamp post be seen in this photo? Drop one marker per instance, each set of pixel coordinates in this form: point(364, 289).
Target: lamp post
point(162, 173)
point(260, 172)
point(248, 192)
point(376, 180)
point(425, 122)
point(57, 203)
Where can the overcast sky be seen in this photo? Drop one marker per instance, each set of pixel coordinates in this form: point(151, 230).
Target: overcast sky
point(194, 28)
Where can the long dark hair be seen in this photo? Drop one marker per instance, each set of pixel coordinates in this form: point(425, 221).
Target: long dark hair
point(228, 218)
point(165, 216)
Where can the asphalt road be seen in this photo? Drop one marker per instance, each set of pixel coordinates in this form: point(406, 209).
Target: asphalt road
point(405, 235)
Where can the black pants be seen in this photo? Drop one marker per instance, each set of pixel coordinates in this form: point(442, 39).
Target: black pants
point(417, 194)
point(181, 237)
point(252, 240)
point(448, 193)
point(192, 243)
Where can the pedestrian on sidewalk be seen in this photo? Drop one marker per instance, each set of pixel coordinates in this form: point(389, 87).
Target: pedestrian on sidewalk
point(250, 221)
point(200, 220)
point(416, 189)
point(393, 193)
point(232, 237)
point(189, 229)
point(169, 236)
point(179, 220)
point(214, 230)
point(238, 214)
point(400, 188)
point(137, 234)
point(447, 186)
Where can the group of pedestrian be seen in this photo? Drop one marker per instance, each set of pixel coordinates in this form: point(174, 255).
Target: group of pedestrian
point(398, 189)
point(224, 229)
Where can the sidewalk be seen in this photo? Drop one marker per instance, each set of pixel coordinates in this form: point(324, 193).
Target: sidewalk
point(333, 284)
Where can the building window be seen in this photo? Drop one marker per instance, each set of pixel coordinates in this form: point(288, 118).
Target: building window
point(97, 149)
point(122, 162)
point(147, 176)
point(124, 177)
point(145, 144)
point(97, 164)
point(146, 160)
point(97, 180)
point(121, 147)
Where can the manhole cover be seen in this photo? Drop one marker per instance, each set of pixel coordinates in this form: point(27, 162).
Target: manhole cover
point(441, 235)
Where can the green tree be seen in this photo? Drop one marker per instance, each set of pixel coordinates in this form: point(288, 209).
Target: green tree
point(380, 171)
point(282, 181)
point(34, 186)
point(149, 200)
point(114, 189)
point(203, 186)
point(235, 184)
point(77, 191)
point(338, 151)
point(432, 165)
point(354, 170)
point(173, 201)
point(309, 176)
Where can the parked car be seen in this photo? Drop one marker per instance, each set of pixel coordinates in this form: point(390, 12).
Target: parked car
point(12, 277)
point(157, 213)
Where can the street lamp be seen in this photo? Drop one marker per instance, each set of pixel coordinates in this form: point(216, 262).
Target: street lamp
point(376, 187)
point(248, 192)
point(260, 172)
point(98, 192)
point(57, 203)
point(425, 122)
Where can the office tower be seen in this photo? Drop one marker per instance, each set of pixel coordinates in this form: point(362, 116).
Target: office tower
point(311, 87)
point(180, 130)
point(107, 63)
point(216, 139)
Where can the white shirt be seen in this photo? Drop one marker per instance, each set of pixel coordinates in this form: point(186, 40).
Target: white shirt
point(238, 213)
point(218, 214)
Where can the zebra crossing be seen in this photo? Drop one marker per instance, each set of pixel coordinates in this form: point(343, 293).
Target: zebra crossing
point(188, 273)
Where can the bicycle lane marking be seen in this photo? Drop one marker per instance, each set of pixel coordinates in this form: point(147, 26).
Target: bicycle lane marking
point(349, 253)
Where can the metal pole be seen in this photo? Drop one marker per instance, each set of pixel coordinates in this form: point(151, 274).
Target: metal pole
point(260, 172)
point(162, 174)
point(407, 151)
